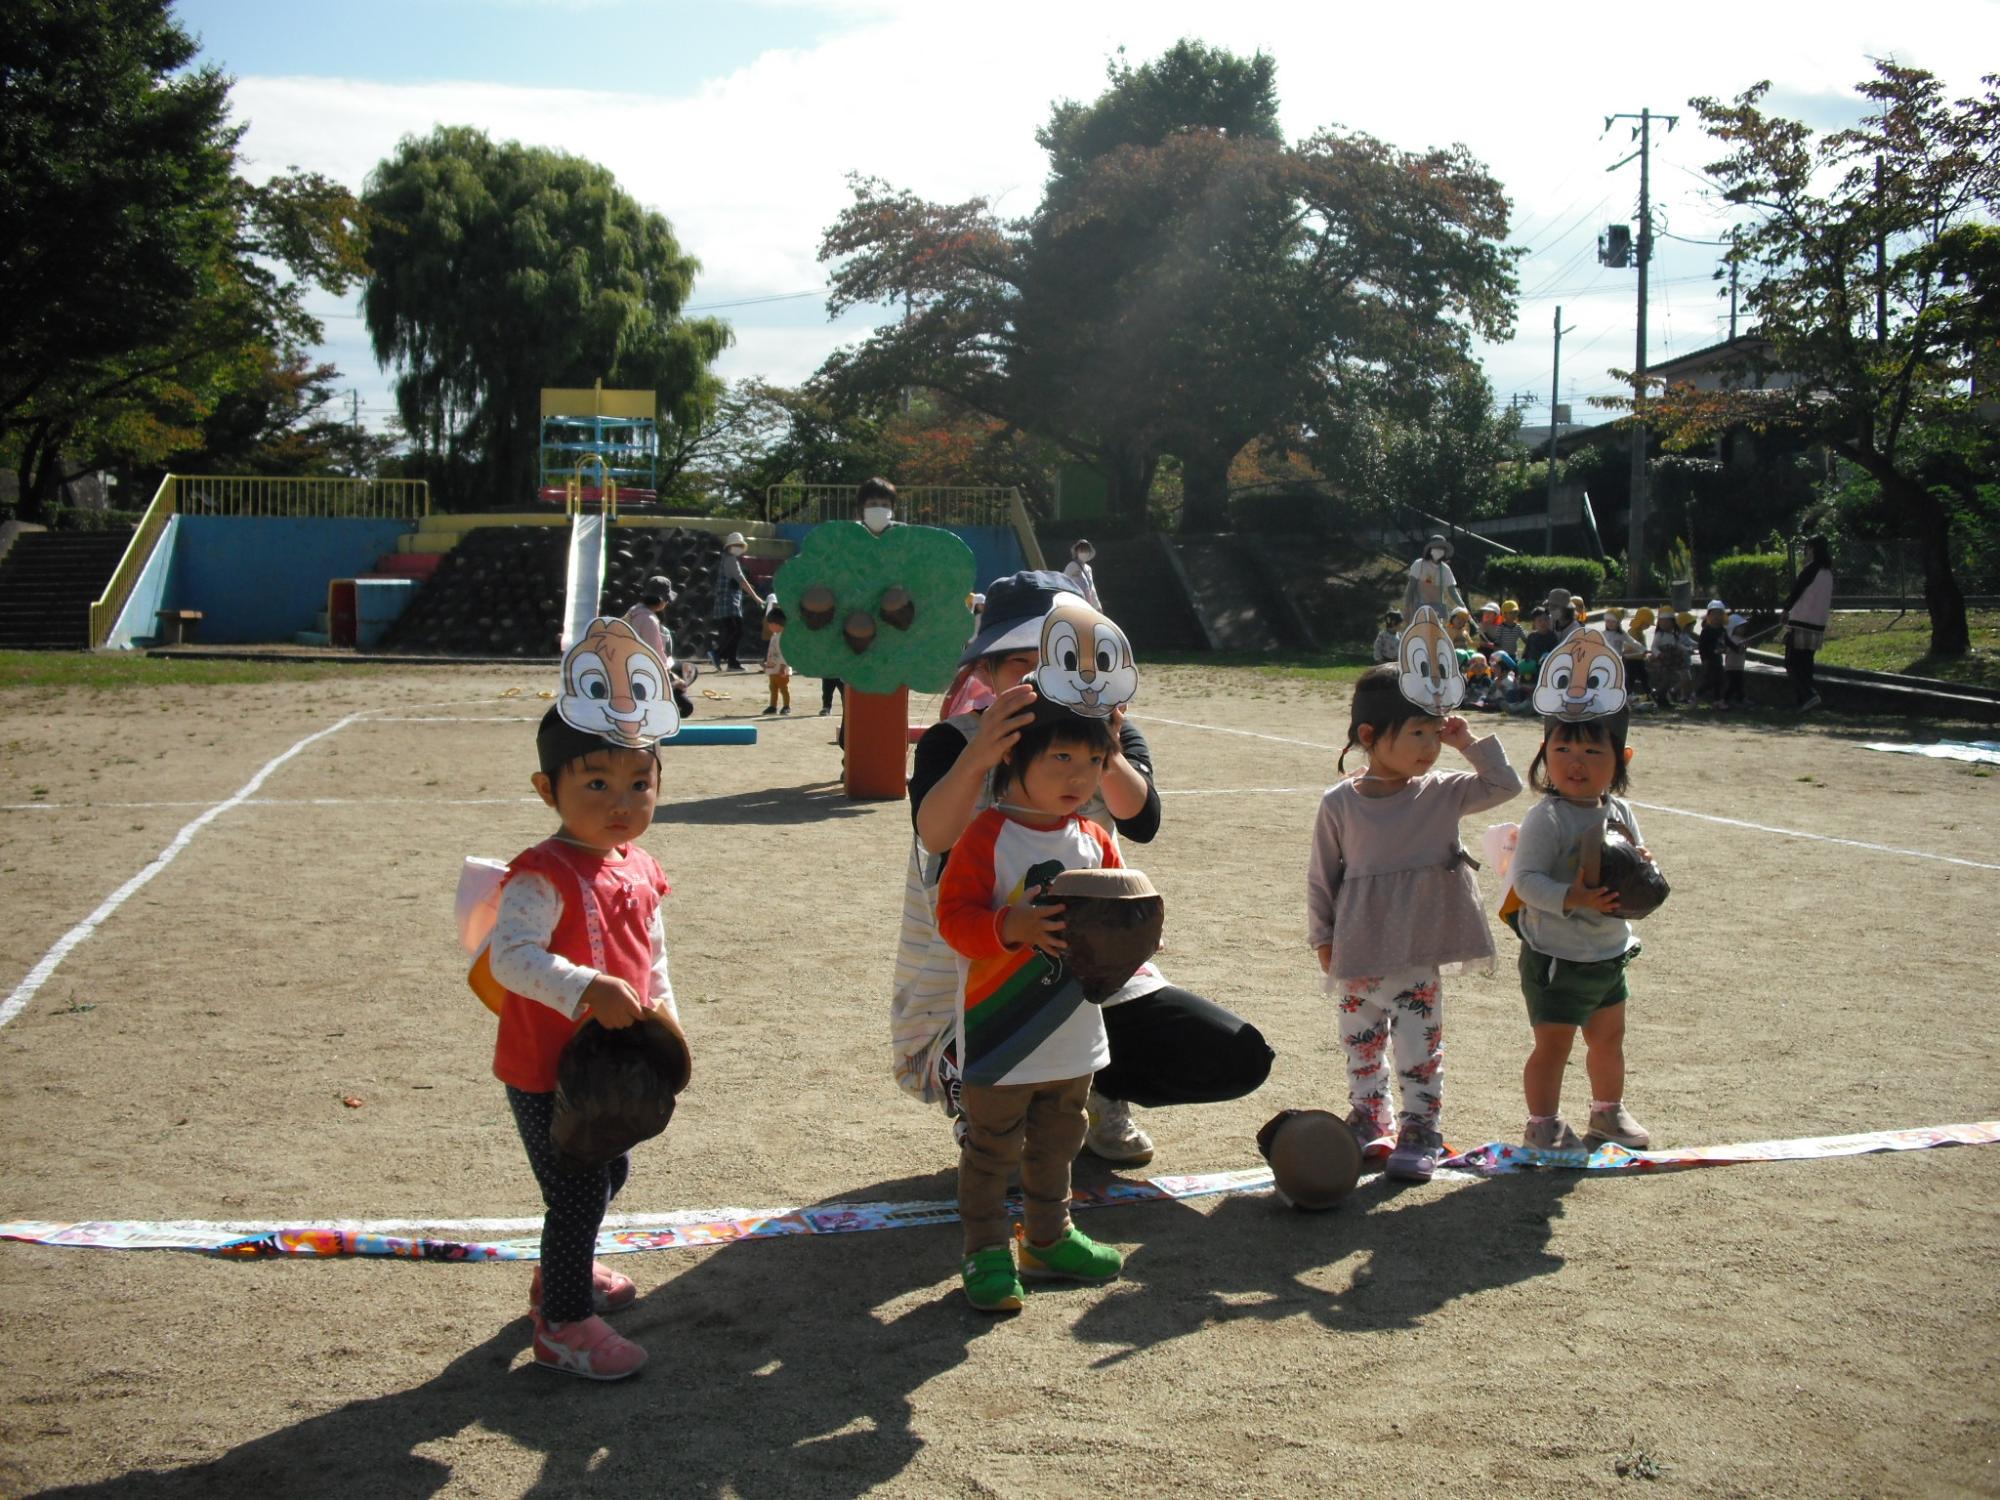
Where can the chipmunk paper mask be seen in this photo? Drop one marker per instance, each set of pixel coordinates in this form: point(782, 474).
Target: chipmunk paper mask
point(615, 685)
point(1430, 678)
point(1086, 662)
point(1583, 678)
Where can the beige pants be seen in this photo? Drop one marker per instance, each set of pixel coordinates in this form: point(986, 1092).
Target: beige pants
point(1041, 1127)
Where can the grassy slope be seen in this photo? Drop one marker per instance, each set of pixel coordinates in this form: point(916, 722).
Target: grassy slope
point(105, 671)
point(1882, 641)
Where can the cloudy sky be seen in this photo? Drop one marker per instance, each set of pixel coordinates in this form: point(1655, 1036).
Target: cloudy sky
point(740, 122)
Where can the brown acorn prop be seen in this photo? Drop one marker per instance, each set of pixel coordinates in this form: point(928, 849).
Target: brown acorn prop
point(897, 607)
point(1315, 1160)
point(859, 632)
point(615, 1089)
point(1641, 888)
point(816, 607)
point(1112, 921)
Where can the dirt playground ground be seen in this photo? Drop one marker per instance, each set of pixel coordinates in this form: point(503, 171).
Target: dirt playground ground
point(1802, 1329)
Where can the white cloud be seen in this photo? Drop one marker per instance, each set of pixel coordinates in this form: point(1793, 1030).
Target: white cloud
point(944, 100)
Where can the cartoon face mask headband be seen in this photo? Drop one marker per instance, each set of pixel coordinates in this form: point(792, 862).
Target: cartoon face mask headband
point(1429, 672)
point(1086, 661)
point(615, 686)
point(1583, 678)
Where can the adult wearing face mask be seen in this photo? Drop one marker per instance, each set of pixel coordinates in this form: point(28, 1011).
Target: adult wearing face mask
point(1168, 1045)
point(731, 585)
point(1078, 572)
point(1431, 582)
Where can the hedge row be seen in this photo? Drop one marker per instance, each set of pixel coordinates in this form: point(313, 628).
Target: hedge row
point(1528, 580)
point(1751, 580)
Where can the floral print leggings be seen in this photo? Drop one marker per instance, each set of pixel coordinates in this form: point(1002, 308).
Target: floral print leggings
point(1403, 1012)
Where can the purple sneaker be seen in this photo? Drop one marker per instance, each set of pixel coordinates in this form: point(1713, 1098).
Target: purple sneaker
point(1374, 1139)
point(1415, 1158)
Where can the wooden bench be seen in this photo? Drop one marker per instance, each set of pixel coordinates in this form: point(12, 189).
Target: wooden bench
point(177, 626)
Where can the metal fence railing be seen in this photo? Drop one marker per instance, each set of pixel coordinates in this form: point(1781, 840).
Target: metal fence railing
point(249, 495)
point(259, 495)
point(916, 504)
point(1894, 571)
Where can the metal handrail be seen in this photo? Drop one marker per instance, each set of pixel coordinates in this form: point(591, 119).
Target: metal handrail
point(920, 504)
point(278, 495)
point(104, 610)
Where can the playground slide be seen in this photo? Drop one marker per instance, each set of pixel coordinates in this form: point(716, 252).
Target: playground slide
point(584, 584)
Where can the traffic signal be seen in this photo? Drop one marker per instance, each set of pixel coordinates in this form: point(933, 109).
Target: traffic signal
point(1614, 246)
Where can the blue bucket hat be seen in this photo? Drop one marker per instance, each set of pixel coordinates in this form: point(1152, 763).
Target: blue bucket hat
point(1012, 619)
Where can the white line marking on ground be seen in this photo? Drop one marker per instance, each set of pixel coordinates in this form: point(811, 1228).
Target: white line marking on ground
point(1277, 739)
point(1237, 791)
point(1682, 812)
point(39, 975)
point(1818, 838)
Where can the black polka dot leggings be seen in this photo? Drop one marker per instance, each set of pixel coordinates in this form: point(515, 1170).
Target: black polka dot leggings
point(575, 1201)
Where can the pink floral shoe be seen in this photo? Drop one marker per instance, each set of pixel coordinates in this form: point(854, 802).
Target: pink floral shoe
point(609, 1291)
point(588, 1347)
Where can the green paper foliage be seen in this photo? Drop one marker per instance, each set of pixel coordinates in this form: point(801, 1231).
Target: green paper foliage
point(845, 556)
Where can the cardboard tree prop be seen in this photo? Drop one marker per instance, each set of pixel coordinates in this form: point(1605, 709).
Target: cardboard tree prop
point(886, 614)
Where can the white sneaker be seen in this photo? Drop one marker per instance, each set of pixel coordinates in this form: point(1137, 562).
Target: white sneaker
point(1114, 1135)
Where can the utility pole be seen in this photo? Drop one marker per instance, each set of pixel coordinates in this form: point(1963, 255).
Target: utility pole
point(1555, 396)
point(1635, 547)
point(1881, 265)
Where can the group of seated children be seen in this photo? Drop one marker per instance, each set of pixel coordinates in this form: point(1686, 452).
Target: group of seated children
point(1500, 659)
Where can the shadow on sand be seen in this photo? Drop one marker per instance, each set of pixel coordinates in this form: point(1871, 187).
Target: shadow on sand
point(771, 1375)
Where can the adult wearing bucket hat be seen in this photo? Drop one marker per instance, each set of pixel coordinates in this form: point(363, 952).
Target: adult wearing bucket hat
point(1431, 581)
point(731, 587)
point(1168, 1045)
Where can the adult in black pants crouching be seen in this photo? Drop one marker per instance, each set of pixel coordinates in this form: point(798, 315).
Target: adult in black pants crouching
point(1168, 1045)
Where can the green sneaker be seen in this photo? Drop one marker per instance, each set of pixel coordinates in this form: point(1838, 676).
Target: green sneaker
point(991, 1283)
point(1074, 1257)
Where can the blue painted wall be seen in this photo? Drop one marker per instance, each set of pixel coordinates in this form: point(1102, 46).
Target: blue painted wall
point(996, 550)
point(140, 619)
point(260, 578)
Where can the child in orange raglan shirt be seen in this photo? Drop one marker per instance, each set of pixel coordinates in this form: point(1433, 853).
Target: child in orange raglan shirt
point(1028, 1041)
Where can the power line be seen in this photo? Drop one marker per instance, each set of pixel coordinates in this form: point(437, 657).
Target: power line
point(755, 301)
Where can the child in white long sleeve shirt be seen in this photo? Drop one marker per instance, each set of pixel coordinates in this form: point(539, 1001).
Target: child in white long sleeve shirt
point(578, 938)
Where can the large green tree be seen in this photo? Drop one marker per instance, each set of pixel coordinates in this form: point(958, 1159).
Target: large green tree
point(498, 269)
point(1874, 279)
point(1189, 282)
point(142, 281)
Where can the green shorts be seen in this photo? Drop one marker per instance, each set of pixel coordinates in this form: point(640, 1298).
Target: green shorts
point(1574, 991)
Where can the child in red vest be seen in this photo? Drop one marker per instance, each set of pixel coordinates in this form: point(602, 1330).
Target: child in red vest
point(578, 938)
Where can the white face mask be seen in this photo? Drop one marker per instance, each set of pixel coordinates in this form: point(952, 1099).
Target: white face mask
point(1437, 554)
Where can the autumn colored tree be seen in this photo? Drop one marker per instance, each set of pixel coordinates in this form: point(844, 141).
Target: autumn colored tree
point(1874, 279)
point(498, 269)
point(1189, 282)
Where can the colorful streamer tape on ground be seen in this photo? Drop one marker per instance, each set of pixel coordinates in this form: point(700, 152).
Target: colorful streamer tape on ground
point(1491, 1160)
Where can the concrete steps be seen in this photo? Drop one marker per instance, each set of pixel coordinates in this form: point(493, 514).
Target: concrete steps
point(48, 583)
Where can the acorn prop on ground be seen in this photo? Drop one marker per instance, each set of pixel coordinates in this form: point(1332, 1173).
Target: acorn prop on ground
point(615, 1089)
point(1112, 920)
point(1315, 1160)
point(888, 615)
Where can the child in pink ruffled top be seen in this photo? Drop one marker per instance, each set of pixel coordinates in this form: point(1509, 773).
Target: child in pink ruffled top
point(1391, 899)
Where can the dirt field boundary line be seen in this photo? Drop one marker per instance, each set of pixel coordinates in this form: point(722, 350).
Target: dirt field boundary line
point(1679, 812)
point(38, 976)
point(1818, 838)
point(694, 1229)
